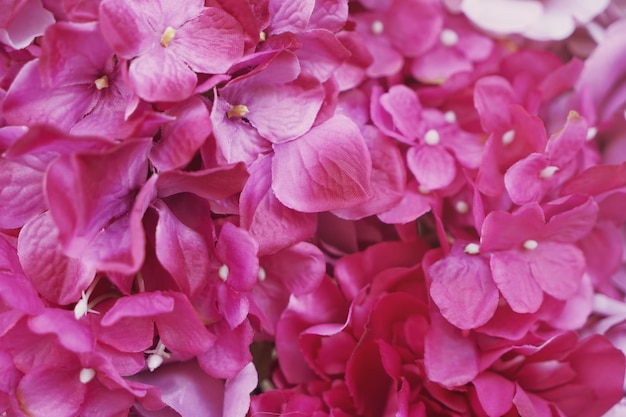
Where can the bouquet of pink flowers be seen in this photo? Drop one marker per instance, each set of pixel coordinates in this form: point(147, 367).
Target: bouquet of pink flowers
point(329, 208)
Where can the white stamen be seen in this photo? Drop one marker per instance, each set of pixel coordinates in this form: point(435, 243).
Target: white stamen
point(377, 27)
point(262, 36)
point(508, 137)
point(86, 375)
point(223, 272)
point(82, 307)
point(530, 244)
point(262, 274)
point(450, 116)
point(592, 132)
point(548, 172)
point(423, 189)
point(432, 137)
point(449, 37)
point(461, 207)
point(472, 249)
point(154, 361)
point(157, 356)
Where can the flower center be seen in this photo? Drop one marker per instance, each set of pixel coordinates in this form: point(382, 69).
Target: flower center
point(432, 137)
point(262, 274)
point(592, 132)
point(167, 36)
point(530, 244)
point(377, 27)
point(223, 272)
point(472, 249)
point(461, 207)
point(239, 110)
point(450, 116)
point(448, 37)
point(83, 306)
point(548, 172)
point(157, 356)
point(508, 137)
point(86, 375)
point(262, 36)
point(102, 82)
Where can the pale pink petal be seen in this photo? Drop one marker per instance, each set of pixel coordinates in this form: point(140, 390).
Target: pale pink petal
point(310, 176)
point(502, 16)
point(24, 26)
point(523, 179)
point(237, 392)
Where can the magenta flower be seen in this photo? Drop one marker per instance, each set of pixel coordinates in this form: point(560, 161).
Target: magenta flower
point(76, 85)
point(168, 43)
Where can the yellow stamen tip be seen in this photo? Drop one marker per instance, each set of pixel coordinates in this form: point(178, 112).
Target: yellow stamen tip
point(102, 82)
point(239, 110)
point(168, 36)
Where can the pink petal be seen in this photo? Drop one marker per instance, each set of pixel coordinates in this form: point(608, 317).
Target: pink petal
point(507, 16)
point(130, 28)
point(182, 138)
point(209, 43)
point(388, 176)
point(436, 66)
point(182, 330)
point(291, 16)
point(463, 289)
point(311, 176)
point(596, 180)
point(53, 392)
point(20, 189)
point(491, 95)
point(321, 53)
point(25, 24)
point(494, 392)
point(56, 277)
point(231, 351)
point(300, 267)
point(451, 359)
point(210, 184)
point(238, 250)
point(17, 291)
point(523, 181)
point(515, 280)
point(558, 268)
point(432, 166)
point(86, 191)
point(420, 21)
point(138, 305)
point(187, 389)
point(73, 54)
point(159, 75)
point(182, 251)
point(237, 392)
point(271, 223)
point(403, 113)
point(73, 335)
point(413, 205)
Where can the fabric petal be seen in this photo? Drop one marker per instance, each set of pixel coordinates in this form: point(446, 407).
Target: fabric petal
point(558, 268)
point(130, 28)
point(231, 351)
point(494, 392)
point(46, 392)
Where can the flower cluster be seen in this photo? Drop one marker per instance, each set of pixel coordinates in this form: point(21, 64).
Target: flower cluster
point(336, 208)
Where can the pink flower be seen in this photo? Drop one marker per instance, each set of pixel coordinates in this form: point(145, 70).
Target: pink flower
point(537, 19)
point(168, 44)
